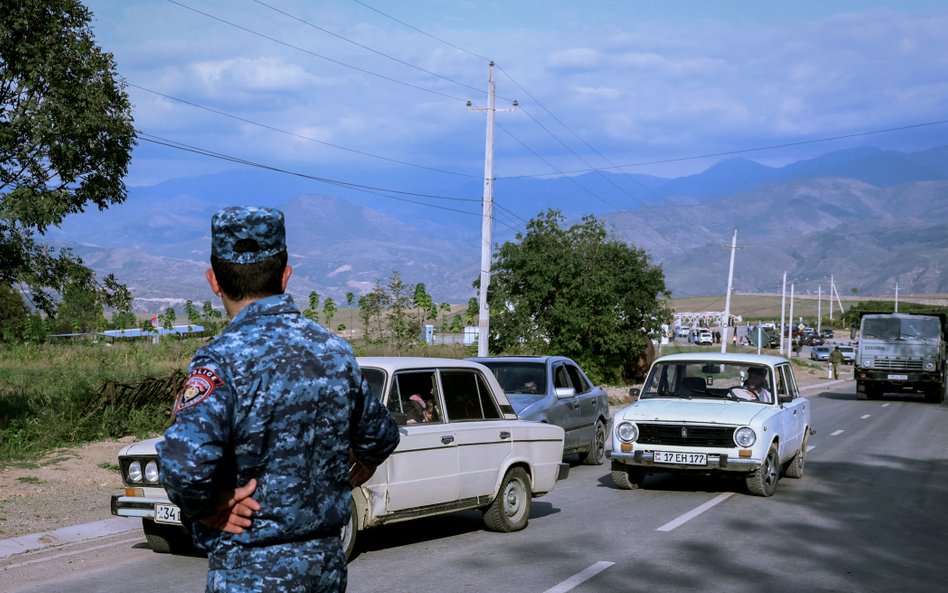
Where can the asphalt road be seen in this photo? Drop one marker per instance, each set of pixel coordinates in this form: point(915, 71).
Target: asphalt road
point(870, 515)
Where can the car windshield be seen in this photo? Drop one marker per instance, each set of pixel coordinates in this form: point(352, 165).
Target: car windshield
point(895, 328)
point(711, 380)
point(519, 377)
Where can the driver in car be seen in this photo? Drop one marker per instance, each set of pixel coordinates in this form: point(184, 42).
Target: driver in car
point(755, 386)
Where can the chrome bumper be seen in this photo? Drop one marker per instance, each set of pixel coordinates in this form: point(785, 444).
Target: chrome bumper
point(716, 461)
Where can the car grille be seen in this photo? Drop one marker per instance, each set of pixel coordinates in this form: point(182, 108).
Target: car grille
point(686, 435)
point(898, 365)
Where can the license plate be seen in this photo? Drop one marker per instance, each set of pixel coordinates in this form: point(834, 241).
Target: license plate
point(167, 513)
point(681, 458)
point(898, 377)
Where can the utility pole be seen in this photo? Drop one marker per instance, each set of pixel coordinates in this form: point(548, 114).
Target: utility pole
point(727, 298)
point(487, 216)
point(896, 297)
point(791, 323)
point(783, 308)
point(819, 307)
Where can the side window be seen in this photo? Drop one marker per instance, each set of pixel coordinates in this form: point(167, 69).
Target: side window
point(788, 381)
point(414, 398)
point(467, 396)
point(781, 382)
point(560, 377)
point(576, 377)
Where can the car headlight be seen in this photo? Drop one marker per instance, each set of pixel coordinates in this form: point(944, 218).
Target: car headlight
point(135, 471)
point(627, 431)
point(151, 472)
point(867, 363)
point(745, 437)
point(929, 366)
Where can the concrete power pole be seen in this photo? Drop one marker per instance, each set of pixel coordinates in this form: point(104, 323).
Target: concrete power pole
point(487, 216)
point(726, 323)
point(783, 308)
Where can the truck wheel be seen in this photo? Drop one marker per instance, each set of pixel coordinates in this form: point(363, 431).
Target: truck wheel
point(862, 391)
point(597, 447)
point(510, 510)
point(166, 539)
point(935, 394)
point(763, 481)
point(627, 478)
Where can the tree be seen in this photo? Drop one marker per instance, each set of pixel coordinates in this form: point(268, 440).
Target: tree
point(66, 137)
point(350, 298)
point(313, 310)
point(399, 304)
point(329, 311)
point(576, 292)
point(14, 316)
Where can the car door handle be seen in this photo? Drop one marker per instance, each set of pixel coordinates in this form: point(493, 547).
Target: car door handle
point(505, 434)
point(447, 439)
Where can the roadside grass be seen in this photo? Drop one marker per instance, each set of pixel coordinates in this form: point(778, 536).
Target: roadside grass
point(47, 392)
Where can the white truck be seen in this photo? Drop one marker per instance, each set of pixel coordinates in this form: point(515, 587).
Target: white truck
point(900, 352)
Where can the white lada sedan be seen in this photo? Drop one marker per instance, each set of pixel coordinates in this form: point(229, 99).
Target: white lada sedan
point(699, 412)
point(462, 447)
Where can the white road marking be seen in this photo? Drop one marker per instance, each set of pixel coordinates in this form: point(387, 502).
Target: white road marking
point(864, 416)
point(885, 405)
point(810, 448)
point(695, 512)
point(837, 433)
point(580, 577)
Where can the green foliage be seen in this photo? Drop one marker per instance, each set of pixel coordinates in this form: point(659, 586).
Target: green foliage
point(851, 317)
point(45, 392)
point(329, 311)
point(399, 322)
point(576, 292)
point(66, 137)
point(14, 315)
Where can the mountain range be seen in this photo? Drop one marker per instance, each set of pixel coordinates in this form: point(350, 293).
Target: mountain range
point(866, 217)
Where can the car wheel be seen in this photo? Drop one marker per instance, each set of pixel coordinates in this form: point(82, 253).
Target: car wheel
point(350, 532)
point(510, 510)
point(763, 481)
point(627, 478)
point(597, 447)
point(796, 466)
point(166, 539)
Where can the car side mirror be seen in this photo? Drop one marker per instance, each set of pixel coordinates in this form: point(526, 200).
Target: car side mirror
point(784, 398)
point(634, 392)
point(562, 392)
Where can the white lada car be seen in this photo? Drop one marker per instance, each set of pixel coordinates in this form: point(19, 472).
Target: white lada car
point(462, 447)
point(699, 412)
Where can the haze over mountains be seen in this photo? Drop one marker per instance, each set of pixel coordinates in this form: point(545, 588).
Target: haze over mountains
point(868, 217)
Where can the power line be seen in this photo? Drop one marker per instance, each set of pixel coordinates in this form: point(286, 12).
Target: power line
point(378, 191)
point(300, 136)
point(314, 54)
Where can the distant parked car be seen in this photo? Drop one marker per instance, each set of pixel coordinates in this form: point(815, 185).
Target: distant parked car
point(702, 413)
point(849, 354)
point(553, 389)
point(682, 332)
point(820, 352)
point(827, 333)
point(703, 336)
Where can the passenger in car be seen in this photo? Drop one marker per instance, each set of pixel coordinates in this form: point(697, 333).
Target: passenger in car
point(415, 409)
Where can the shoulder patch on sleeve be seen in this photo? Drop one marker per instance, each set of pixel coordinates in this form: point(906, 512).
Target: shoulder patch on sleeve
point(197, 388)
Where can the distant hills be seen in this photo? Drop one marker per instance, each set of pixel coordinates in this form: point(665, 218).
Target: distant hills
point(868, 217)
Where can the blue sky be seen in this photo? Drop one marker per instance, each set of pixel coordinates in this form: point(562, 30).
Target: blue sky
point(338, 89)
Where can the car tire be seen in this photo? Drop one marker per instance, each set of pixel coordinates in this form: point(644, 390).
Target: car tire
point(597, 447)
point(510, 509)
point(627, 478)
point(797, 465)
point(763, 480)
point(350, 533)
point(166, 539)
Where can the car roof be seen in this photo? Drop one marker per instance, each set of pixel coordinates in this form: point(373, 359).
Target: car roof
point(724, 357)
point(399, 363)
point(518, 358)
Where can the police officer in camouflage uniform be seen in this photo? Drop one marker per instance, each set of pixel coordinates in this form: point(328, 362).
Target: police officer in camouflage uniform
point(272, 428)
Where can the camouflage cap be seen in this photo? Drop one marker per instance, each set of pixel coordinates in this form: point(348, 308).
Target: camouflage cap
point(247, 234)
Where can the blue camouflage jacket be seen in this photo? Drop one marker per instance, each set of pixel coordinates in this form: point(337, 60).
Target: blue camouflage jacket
point(278, 398)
